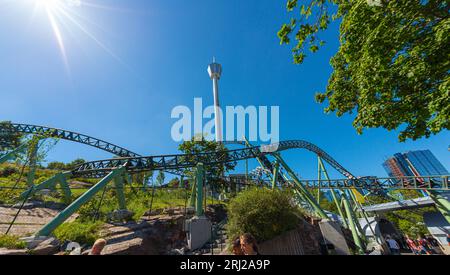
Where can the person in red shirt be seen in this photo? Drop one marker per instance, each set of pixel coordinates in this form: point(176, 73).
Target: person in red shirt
point(424, 245)
point(412, 245)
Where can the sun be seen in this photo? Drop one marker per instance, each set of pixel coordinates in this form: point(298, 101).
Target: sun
point(68, 19)
point(49, 4)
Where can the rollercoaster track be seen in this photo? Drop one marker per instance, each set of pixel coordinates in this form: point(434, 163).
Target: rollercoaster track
point(66, 135)
point(176, 163)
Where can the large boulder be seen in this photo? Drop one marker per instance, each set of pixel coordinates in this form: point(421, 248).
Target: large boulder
point(5, 252)
point(120, 215)
point(49, 246)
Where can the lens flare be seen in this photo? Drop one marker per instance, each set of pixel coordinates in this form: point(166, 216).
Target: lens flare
point(64, 16)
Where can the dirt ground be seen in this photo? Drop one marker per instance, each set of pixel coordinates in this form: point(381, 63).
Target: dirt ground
point(28, 222)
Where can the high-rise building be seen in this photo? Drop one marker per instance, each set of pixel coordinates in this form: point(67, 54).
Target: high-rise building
point(414, 163)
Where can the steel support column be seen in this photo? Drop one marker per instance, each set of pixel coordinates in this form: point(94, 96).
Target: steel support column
point(60, 178)
point(199, 177)
point(333, 193)
point(13, 153)
point(303, 190)
point(193, 192)
point(442, 204)
point(351, 222)
point(47, 229)
point(32, 156)
point(276, 170)
point(118, 183)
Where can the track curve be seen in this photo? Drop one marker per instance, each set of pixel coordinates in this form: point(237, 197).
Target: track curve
point(177, 162)
point(66, 135)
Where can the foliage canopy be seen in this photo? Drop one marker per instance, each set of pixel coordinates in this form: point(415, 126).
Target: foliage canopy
point(393, 63)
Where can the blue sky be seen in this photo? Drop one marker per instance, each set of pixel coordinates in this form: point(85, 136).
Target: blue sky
point(142, 58)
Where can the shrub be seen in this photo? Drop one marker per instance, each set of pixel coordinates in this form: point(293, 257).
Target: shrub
point(7, 171)
point(11, 242)
point(263, 213)
point(80, 232)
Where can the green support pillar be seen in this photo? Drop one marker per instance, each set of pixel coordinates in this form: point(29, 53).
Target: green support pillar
point(60, 178)
point(257, 158)
point(336, 202)
point(246, 171)
point(32, 156)
point(303, 190)
point(351, 222)
point(361, 213)
point(333, 193)
point(442, 204)
point(47, 229)
point(13, 153)
point(319, 175)
point(199, 176)
point(118, 182)
point(276, 170)
point(193, 192)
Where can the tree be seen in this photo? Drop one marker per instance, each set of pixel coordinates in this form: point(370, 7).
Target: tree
point(56, 165)
point(160, 178)
point(392, 66)
point(9, 139)
point(174, 183)
point(74, 164)
point(195, 148)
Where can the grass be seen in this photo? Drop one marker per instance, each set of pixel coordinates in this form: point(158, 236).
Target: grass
point(92, 215)
point(11, 242)
point(80, 232)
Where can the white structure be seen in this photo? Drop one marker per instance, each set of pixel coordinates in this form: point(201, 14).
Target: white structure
point(215, 71)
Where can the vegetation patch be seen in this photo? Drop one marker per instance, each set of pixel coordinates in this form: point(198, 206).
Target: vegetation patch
point(262, 212)
point(11, 242)
point(81, 232)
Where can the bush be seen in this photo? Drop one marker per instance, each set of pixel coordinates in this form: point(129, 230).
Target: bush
point(7, 171)
point(11, 242)
point(80, 232)
point(263, 213)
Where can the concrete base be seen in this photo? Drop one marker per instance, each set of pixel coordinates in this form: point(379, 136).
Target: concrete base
point(198, 232)
point(332, 233)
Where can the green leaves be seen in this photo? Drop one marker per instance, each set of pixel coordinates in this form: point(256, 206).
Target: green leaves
point(393, 64)
point(261, 212)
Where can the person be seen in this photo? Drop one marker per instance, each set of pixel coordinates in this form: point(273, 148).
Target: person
point(435, 245)
point(237, 250)
point(421, 246)
point(248, 244)
point(424, 246)
point(412, 245)
point(98, 247)
point(393, 245)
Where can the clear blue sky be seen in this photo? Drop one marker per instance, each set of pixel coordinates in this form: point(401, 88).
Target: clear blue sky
point(151, 55)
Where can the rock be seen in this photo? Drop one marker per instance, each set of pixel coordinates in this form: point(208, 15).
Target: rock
point(54, 205)
point(32, 242)
point(4, 252)
point(47, 247)
point(132, 246)
point(120, 215)
point(153, 212)
point(177, 251)
point(28, 205)
point(76, 251)
point(169, 211)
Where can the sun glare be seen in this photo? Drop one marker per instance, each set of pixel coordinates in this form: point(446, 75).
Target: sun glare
point(65, 18)
point(49, 4)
